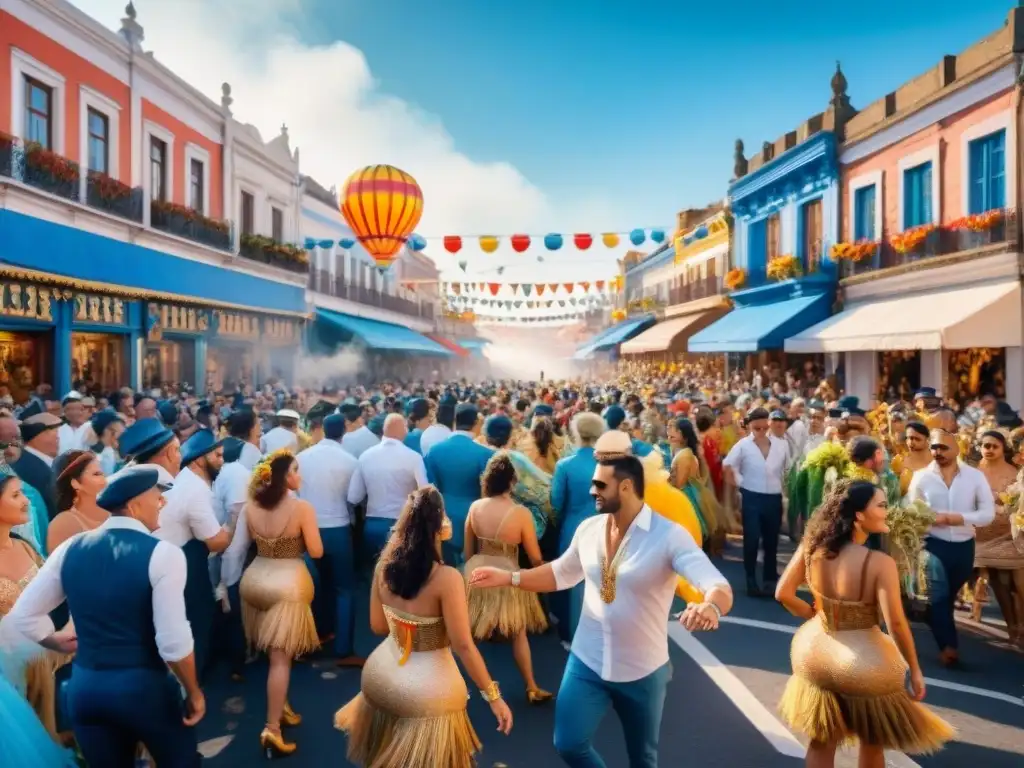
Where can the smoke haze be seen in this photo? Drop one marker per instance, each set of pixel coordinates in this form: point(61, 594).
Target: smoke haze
point(316, 372)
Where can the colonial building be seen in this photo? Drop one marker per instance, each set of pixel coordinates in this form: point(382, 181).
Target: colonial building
point(145, 235)
point(785, 204)
point(929, 249)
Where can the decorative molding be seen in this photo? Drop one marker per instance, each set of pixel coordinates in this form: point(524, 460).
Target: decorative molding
point(22, 66)
point(931, 154)
point(818, 148)
point(1000, 122)
point(872, 179)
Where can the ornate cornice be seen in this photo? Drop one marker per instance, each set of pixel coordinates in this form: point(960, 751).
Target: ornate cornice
point(814, 160)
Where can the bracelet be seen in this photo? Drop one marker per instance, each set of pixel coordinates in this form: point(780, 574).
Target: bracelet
point(492, 692)
point(516, 578)
point(716, 609)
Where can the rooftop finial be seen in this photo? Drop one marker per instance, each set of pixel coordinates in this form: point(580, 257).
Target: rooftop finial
point(839, 82)
point(129, 11)
point(284, 130)
point(225, 97)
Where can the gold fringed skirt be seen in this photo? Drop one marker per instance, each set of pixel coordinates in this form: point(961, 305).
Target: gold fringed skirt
point(40, 687)
point(848, 686)
point(410, 715)
point(504, 611)
point(276, 598)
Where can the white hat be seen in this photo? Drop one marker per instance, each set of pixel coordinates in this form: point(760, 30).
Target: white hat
point(287, 414)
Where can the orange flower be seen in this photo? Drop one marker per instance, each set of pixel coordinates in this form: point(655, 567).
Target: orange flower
point(735, 278)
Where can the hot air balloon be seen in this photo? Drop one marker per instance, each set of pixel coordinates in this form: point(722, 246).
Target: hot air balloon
point(382, 205)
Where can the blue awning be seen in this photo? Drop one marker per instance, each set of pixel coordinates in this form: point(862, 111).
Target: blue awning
point(762, 326)
point(583, 353)
point(381, 336)
point(474, 343)
point(624, 331)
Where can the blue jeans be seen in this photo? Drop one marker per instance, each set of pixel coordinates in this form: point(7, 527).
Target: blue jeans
point(582, 702)
point(334, 600)
point(957, 560)
point(762, 521)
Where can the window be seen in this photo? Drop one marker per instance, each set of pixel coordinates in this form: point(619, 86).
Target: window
point(248, 213)
point(277, 224)
point(987, 157)
point(99, 141)
point(157, 169)
point(38, 113)
point(917, 195)
point(195, 185)
point(773, 237)
point(810, 244)
point(864, 213)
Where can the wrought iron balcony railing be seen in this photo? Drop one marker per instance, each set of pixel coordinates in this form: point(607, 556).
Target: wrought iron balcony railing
point(320, 280)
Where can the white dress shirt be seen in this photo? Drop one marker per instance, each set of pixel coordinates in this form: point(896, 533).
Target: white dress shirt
point(279, 438)
point(167, 575)
point(752, 471)
point(969, 495)
point(386, 475)
point(627, 639)
point(359, 441)
point(231, 492)
point(250, 455)
point(433, 435)
point(189, 512)
point(71, 438)
point(327, 471)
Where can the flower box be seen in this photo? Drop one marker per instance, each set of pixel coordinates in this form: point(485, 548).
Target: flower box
point(51, 172)
point(7, 148)
point(108, 194)
point(266, 250)
point(188, 223)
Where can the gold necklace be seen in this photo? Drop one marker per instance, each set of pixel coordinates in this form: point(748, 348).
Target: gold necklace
point(610, 571)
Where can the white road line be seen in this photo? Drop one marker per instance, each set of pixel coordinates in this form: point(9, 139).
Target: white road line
point(958, 687)
point(758, 714)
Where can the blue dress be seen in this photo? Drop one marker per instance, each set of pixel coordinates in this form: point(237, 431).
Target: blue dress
point(25, 741)
point(572, 504)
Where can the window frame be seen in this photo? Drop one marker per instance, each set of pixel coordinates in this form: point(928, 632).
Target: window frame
point(1003, 121)
point(24, 66)
point(874, 179)
point(31, 86)
point(151, 161)
point(195, 153)
point(88, 99)
point(154, 131)
point(90, 136)
point(252, 230)
point(909, 162)
point(276, 213)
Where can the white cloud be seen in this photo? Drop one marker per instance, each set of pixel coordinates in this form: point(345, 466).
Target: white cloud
point(341, 120)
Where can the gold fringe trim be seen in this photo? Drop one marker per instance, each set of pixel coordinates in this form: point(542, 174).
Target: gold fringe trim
point(377, 739)
point(41, 688)
point(287, 626)
point(505, 611)
point(893, 721)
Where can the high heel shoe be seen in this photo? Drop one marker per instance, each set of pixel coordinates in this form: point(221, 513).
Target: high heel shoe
point(274, 745)
point(290, 717)
point(538, 696)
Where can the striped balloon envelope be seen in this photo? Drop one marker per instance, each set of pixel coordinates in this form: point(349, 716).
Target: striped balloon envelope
point(382, 205)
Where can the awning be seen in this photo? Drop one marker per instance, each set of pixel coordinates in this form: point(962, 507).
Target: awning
point(594, 341)
point(761, 326)
point(956, 318)
point(448, 344)
point(381, 336)
point(659, 338)
point(475, 346)
point(621, 332)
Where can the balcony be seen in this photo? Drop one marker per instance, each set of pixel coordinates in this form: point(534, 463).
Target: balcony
point(809, 263)
point(185, 222)
point(111, 196)
point(266, 250)
point(320, 281)
point(40, 168)
point(702, 288)
point(978, 235)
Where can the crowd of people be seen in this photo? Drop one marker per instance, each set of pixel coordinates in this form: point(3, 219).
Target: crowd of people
point(150, 532)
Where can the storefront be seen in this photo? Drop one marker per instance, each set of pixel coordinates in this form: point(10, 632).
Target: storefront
point(27, 323)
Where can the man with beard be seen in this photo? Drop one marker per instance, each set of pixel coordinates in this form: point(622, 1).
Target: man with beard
point(630, 559)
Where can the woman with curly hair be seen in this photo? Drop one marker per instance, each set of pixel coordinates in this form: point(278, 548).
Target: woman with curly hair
point(849, 678)
point(276, 589)
point(411, 710)
point(496, 528)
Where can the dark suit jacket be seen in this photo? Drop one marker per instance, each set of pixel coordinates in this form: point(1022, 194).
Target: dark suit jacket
point(454, 465)
point(34, 471)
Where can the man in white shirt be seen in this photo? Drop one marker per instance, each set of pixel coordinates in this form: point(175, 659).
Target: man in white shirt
point(130, 627)
point(327, 470)
point(757, 466)
point(630, 559)
point(358, 437)
point(76, 421)
point(243, 425)
point(962, 499)
point(386, 475)
point(284, 435)
point(441, 429)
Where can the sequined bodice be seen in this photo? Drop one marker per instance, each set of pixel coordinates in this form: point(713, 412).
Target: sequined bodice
point(281, 548)
point(498, 548)
point(843, 615)
point(10, 589)
point(416, 634)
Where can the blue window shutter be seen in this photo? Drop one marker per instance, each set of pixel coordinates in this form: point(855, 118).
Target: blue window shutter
point(926, 195)
point(996, 181)
point(917, 196)
point(864, 213)
point(987, 173)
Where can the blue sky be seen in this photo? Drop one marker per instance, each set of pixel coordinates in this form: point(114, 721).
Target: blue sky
point(639, 101)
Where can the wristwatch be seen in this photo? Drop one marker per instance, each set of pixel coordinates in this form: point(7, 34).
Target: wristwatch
point(516, 576)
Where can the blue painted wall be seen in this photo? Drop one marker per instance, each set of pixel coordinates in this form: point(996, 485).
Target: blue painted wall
point(803, 174)
point(661, 256)
point(37, 244)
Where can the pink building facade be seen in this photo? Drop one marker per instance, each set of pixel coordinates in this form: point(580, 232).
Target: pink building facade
point(929, 249)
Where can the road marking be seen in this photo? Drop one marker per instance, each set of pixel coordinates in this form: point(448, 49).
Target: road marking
point(743, 699)
point(946, 684)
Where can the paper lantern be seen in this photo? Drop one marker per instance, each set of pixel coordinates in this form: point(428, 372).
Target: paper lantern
point(583, 241)
point(416, 242)
point(310, 244)
point(658, 235)
point(637, 237)
point(553, 241)
point(701, 232)
point(520, 243)
point(462, 265)
point(382, 205)
point(452, 243)
point(325, 244)
point(610, 239)
point(347, 243)
point(488, 244)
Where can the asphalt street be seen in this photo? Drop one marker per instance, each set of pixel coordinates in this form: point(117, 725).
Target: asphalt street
point(720, 709)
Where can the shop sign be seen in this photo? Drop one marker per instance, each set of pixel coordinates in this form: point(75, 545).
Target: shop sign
point(31, 302)
point(172, 318)
point(90, 308)
point(280, 330)
point(238, 325)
